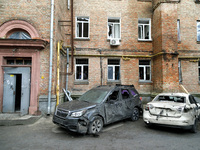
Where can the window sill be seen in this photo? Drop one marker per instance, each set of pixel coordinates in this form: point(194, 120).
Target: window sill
point(144, 40)
point(82, 39)
point(114, 38)
point(145, 82)
point(113, 82)
point(86, 82)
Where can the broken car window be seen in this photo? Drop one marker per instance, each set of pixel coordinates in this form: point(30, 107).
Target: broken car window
point(114, 95)
point(94, 96)
point(179, 99)
point(125, 94)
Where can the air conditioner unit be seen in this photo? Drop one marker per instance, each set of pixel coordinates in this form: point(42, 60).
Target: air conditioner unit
point(114, 42)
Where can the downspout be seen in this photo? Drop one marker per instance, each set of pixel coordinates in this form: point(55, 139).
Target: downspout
point(50, 57)
point(72, 40)
point(67, 69)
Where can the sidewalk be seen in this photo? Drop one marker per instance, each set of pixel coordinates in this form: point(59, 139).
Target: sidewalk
point(16, 119)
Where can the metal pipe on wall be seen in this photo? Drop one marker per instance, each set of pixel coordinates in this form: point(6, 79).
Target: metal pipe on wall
point(72, 41)
point(50, 58)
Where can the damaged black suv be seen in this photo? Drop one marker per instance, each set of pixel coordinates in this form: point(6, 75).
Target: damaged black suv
point(97, 107)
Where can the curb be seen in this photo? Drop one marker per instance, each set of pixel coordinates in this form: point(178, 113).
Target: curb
point(19, 121)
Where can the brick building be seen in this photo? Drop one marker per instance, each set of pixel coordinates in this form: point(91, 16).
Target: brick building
point(153, 44)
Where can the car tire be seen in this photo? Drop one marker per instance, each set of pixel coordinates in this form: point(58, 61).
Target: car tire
point(136, 114)
point(96, 125)
point(195, 126)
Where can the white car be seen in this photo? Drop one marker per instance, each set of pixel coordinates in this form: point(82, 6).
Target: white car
point(173, 109)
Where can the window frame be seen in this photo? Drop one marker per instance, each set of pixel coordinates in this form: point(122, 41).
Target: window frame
point(82, 69)
point(149, 24)
point(82, 23)
point(114, 18)
point(113, 66)
point(144, 70)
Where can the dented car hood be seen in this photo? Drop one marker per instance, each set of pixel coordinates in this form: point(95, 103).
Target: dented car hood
point(76, 105)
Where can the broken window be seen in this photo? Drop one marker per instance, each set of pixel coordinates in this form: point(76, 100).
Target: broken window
point(81, 69)
point(178, 30)
point(114, 96)
point(179, 99)
point(145, 70)
point(198, 31)
point(114, 28)
point(144, 29)
point(82, 27)
point(113, 69)
point(125, 94)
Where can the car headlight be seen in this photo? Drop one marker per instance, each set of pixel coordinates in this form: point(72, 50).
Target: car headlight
point(78, 113)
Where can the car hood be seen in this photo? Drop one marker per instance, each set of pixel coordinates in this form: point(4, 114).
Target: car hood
point(75, 105)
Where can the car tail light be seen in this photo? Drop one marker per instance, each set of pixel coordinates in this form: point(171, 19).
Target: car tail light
point(148, 107)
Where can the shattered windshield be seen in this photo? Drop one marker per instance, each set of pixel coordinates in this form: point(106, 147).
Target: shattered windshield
point(94, 96)
point(179, 99)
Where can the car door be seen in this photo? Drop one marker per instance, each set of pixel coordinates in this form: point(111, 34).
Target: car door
point(114, 107)
point(127, 102)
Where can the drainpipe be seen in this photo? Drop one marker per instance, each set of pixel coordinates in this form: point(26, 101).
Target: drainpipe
point(72, 41)
point(67, 69)
point(50, 57)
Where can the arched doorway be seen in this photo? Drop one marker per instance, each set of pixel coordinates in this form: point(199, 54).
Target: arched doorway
point(20, 48)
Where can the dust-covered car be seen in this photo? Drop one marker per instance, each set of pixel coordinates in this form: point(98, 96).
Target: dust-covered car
point(173, 109)
point(97, 107)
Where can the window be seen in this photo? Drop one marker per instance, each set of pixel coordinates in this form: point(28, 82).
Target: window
point(114, 28)
point(178, 30)
point(199, 70)
point(145, 70)
point(113, 69)
point(18, 61)
point(114, 96)
point(82, 27)
point(144, 29)
point(125, 94)
point(19, 35)
point(81, 69)
point(198, 31)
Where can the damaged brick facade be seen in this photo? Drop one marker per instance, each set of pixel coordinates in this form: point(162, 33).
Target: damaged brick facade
point(151, 58)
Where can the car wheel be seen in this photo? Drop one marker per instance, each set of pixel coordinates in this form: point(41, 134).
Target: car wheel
point(195, 126)
point(136, 114)
point(96, 125)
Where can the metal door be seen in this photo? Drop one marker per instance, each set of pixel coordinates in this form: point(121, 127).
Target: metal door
point(9, 93)
point(25, 94)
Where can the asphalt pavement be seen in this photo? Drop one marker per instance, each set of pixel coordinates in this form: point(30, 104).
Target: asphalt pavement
point(123, 135)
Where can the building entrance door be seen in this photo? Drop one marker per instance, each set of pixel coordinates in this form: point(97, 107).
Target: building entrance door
point(16, 92)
